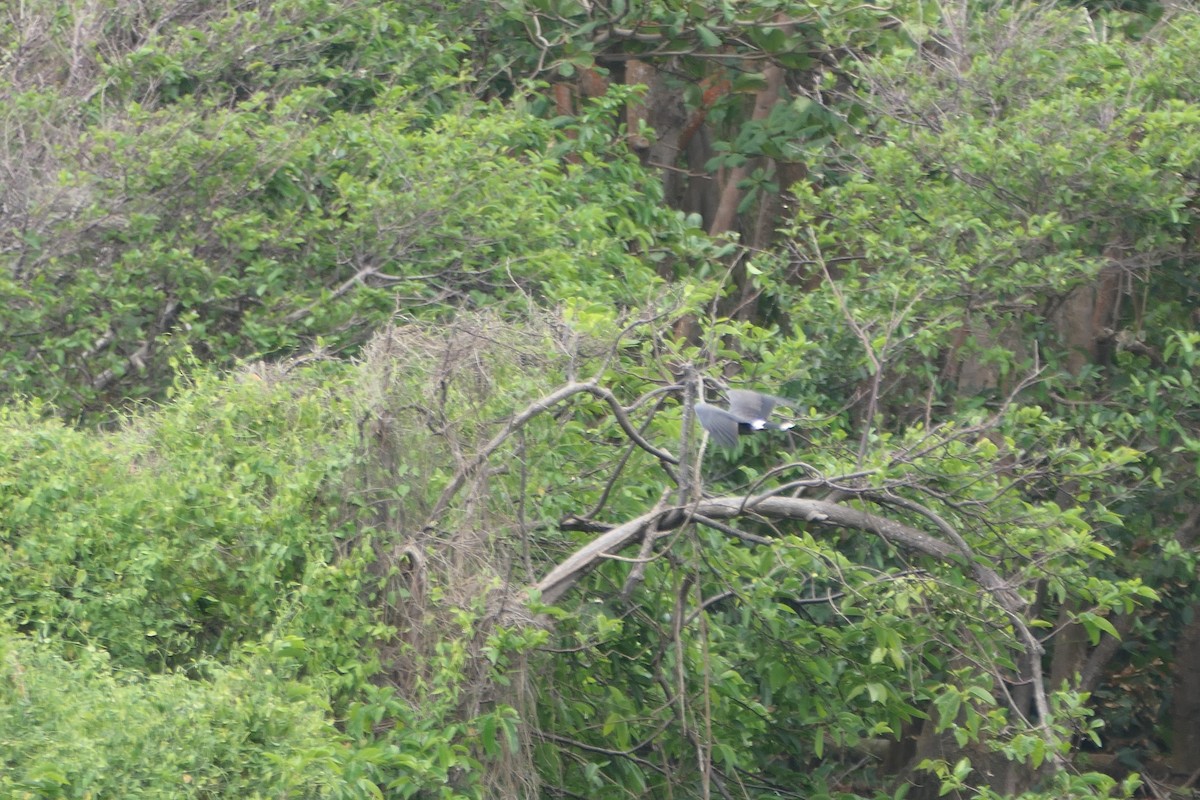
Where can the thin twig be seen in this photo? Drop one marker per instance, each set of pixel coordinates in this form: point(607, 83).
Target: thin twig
point(538, 407)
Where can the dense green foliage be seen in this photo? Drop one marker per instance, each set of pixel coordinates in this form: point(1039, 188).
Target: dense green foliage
point(200, 573)
point(77, 727)
point(333, 332)
point(195, 200)
point(1060, 163)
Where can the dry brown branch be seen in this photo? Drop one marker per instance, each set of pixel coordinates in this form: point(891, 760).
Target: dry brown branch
point(630, 753)
point(729, 530)
point(538, 407)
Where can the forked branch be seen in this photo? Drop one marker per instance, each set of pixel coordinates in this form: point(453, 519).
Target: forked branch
point(538, 407)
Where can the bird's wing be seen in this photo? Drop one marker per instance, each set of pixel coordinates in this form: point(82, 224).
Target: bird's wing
point(750, 404)
point(756, 404)
point(720, 424)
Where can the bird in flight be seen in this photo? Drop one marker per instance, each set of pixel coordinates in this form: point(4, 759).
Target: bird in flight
point(748, 413)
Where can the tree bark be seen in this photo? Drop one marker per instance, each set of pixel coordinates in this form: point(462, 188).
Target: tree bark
point(731, 194)
point(1185, 699)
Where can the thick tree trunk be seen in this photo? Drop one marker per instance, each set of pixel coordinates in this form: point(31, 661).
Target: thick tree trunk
point(1070, 651)
point(1086, 318)
point(661, 110)
point(1005, 777)
point(731, 193)
point(1185, 699)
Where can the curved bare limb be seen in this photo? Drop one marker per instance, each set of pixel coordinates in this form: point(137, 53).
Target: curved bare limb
point(563, 577)
point(986, 577)
point(538, 407)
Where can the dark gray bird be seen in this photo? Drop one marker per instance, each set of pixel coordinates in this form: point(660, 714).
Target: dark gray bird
point(748, 413)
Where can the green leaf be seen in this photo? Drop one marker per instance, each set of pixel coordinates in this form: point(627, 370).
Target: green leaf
point(709, 38)
point(948, 704)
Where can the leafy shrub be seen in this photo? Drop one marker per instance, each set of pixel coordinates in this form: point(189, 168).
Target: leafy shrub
point(182, 537)
point(78, 727)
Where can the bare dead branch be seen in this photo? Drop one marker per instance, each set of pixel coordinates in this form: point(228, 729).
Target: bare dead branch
point(138, 357)
point(560, 579)
point(729, 530)
point(346, 285)
point(638, 572)
point(986, 577)
point(620, 467)
point(630, 754)
point(563, 577)
point(538, 407)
